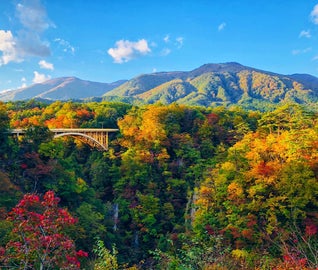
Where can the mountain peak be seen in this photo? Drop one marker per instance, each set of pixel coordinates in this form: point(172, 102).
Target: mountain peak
point(208, 85)
point(221, 67)
point(63, 88)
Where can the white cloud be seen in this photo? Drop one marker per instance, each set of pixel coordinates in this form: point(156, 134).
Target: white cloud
point(126, 50)
point(27, 41)
point(67, 47)
point(305, 33)
point(8, 48)
point(221, 26)
point(171, 43)
point(46, 65)
point(165, 51)
point(23, 80)
point(154, 70)
point(314, 14)
point(39, 78)
point(32, 15)
point(296, 52)
point(153, 44)
point(6, 90)
point(30, 44)
point(179, 41)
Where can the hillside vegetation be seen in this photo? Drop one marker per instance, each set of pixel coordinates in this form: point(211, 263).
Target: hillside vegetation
point(224, 84)
point(181, 187)
point(221, 84)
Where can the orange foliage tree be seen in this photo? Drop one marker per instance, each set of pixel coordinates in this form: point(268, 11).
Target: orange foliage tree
point(264, 191)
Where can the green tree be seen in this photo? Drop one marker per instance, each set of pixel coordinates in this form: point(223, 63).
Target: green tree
point(106, 260)
point(4, 136)
point(91, 224)
point(34, 136)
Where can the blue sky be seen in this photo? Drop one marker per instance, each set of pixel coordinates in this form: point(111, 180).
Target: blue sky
point(108, 40)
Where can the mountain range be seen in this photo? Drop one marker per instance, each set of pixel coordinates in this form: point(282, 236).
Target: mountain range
point(208, 85)
point(65, 88)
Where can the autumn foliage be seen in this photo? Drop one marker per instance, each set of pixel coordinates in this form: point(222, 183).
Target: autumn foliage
point(38, 237)
point(181, 187)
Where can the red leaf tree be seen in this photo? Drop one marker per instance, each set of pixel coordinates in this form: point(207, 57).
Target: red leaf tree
point(38, 237)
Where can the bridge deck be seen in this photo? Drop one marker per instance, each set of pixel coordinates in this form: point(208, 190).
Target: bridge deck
point(62, 130)
point(96, 137)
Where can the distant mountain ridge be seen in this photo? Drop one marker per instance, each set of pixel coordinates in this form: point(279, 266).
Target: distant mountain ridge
point(221, 84)
point(64, 88)
point(208, 85)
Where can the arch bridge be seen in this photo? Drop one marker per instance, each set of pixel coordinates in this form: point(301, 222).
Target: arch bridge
point(95, 137)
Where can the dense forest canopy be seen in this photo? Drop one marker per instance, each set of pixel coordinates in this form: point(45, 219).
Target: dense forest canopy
point(181, 187)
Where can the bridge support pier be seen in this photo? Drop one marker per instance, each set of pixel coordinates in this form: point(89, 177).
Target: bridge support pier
point(95, 137)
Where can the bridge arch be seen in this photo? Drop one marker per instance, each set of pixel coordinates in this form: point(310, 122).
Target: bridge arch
point(83, 137)
point(95, 137)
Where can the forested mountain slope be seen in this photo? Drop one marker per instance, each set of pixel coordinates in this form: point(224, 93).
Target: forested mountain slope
point(221, 84)
point(209, 85)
